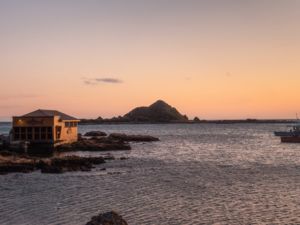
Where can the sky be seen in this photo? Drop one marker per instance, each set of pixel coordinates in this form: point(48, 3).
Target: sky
point(215, 59)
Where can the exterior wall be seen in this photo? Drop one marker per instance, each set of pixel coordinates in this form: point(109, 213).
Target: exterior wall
point(67, 134)
point(56, 128)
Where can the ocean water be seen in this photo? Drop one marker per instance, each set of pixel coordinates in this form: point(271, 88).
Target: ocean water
point(196, 174)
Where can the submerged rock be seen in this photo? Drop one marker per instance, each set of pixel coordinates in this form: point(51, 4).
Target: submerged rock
point(95, 134)
point(26, 164)
point(71, 163)
point(109, 218)
point(133, 138)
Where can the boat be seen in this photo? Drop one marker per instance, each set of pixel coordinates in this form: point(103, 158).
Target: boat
point(290, 139)
point(283, 133)
point(291, 136)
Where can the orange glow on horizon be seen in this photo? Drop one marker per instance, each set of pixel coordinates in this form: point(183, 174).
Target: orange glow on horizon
point(214, 61)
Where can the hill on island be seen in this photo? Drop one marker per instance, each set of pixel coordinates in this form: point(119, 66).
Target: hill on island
point(159, 111)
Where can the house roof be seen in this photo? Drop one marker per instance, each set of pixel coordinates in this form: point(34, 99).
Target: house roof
point(49, 113)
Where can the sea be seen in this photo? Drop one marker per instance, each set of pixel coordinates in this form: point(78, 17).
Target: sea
point(196, 174)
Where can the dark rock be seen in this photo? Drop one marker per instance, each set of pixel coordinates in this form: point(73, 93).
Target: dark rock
point(71, 163)
point(123, 158)
point(98, 144)
point(52, 169)
point(109, 157)
point(17, 168)
point(133, 138)
point(196, 119)
point(25, 164)
point(109, 218)
point(95, 134)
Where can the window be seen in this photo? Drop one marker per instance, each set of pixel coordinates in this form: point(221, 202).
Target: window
point(43, 133)
point(23, 133)
point(16, 133)
point(71, 124)
point(36, 133)
point(49, 133)
point(29, 133)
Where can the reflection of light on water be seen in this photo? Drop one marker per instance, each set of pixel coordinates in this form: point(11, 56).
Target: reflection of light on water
point(226, 174)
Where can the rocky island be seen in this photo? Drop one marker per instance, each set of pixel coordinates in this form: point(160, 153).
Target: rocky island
point(158, 112)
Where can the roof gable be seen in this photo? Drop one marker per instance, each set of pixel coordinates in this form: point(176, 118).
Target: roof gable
point(49, 113)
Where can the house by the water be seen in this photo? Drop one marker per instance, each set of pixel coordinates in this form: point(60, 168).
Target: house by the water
point(49, 127)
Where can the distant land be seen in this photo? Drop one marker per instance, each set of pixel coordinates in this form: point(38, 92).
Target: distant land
point(158, 112)
point(162, 112)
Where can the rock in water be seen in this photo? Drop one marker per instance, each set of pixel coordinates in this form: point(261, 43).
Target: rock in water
point(133, 138)
point(95, 134)
point(109, 218)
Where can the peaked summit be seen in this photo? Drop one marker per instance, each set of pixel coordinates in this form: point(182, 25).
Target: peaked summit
point(159, 111)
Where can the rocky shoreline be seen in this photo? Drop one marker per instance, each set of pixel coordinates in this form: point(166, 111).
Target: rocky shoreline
point(100, 141)
point(12, 162)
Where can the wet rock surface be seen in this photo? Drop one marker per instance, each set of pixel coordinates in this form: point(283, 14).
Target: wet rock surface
point(71, 164)
point(95, 144)
point(25, 164)
point(132, 138)
point(109, 218)
point(95, 134)
point(17, 168)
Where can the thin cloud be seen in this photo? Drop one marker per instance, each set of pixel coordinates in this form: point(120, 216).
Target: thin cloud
point(95, 81)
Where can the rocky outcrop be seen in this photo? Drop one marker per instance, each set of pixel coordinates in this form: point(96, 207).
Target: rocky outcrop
point(25, 164)
point(95, 134)
point(196, 120)
point(17, 168)
point(109, 218)
point(132, 138)
point(95, 144)
point(70, 164)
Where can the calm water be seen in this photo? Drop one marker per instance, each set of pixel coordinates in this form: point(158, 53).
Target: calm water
point(197, 174)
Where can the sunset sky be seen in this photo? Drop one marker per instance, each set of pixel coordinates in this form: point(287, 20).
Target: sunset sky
point(215, 59)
